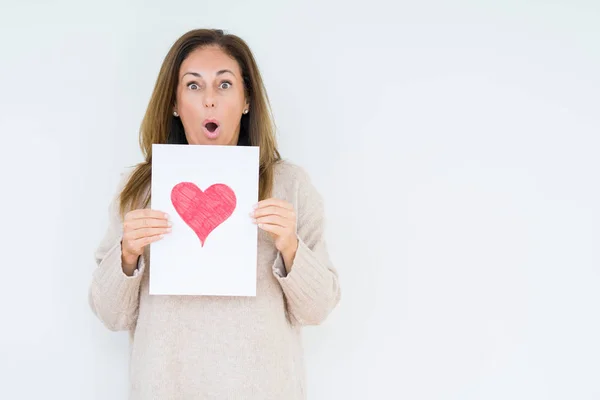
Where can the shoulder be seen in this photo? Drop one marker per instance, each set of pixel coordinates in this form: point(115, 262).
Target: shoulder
point(124, 176)
point(293, 183)
point(291, 176)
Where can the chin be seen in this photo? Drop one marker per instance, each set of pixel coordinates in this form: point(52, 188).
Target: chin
point(217, 141)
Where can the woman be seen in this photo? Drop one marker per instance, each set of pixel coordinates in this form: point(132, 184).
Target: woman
point(210, 92)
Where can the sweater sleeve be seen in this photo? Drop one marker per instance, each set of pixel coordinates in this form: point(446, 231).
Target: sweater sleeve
point(311, 288)
point(114, 296)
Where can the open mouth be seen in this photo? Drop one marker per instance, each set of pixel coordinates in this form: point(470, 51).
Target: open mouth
point(211, 127)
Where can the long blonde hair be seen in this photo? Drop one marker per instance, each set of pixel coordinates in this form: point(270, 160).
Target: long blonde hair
point(257, 128)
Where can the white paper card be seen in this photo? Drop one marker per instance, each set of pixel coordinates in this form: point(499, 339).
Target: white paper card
point(208, 192)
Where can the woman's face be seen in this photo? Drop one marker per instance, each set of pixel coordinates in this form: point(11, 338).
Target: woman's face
point(210, 97)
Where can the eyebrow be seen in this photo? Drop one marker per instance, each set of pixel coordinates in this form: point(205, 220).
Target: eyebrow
point(221, 72)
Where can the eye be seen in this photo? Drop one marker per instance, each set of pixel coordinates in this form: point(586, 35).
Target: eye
point(193, 86)
point(225, 83)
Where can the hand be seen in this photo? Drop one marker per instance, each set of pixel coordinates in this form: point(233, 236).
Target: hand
point(140, 228)
point(278, 218)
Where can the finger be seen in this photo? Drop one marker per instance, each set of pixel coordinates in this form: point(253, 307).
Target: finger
point(273, 210)
point(274, 202)
point(275, 229)
point(273, 220)
point(146, 223)
point(146, 213)
point(143, 242)
point(145, 232)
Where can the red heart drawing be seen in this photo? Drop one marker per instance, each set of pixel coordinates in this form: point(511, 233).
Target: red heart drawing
point(203, 211)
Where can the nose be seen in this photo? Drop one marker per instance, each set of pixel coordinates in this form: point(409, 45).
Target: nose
point(209, 100)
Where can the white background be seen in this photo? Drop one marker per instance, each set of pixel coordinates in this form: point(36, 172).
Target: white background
point(456, 146)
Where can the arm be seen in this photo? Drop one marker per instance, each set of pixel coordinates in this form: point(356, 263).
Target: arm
point(309, 280)
point(113, 294)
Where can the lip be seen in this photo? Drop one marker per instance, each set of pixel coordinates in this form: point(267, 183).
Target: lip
point(209, 134)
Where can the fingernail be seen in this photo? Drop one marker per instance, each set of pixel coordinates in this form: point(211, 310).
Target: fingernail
point(255, 206)
point(169, 223)
point(166, 216)
point(169, 229)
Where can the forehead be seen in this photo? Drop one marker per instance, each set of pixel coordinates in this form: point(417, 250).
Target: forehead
point(207, 61)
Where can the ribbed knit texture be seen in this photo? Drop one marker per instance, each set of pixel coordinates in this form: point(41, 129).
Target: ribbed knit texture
point(218, 347)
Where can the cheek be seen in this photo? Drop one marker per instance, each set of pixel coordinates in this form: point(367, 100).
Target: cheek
point(189, 102)
point(229, 111)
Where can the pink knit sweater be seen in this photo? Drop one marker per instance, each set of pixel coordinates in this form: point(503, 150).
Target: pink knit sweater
point(208, 347)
